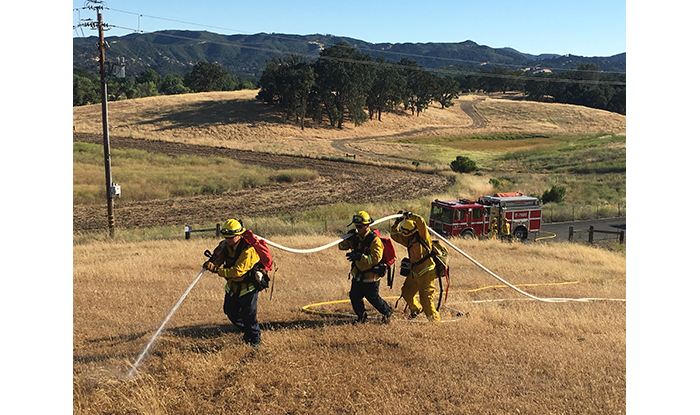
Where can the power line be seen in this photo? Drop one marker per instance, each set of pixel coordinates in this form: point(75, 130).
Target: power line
point(437, 70)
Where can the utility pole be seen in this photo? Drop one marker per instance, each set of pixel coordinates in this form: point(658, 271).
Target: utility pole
point(105, 127)
point(112, 189)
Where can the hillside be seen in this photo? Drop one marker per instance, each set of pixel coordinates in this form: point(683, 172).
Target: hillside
point(235, 125)
point(237, 120)
point(245, 56)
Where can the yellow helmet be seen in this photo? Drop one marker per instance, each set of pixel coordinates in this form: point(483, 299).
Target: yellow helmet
point(361, 218)
point(231, 228)
point(408, 227)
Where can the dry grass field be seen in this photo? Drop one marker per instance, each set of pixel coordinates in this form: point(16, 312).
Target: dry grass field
point(237, 120)
point(500, 357)
point(497, 352)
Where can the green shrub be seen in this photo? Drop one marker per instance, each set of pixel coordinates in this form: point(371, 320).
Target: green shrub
point(556, 194)
point(463, 165)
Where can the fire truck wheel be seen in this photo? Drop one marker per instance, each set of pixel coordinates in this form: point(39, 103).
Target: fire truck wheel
point(468, 234)
point(520, 233)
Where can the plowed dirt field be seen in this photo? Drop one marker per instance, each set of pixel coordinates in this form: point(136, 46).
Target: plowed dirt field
point(337, 182)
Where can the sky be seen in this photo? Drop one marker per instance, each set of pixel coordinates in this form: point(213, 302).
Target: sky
point(590, 28)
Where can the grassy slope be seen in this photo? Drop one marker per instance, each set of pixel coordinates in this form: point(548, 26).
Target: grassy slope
point(505, 357)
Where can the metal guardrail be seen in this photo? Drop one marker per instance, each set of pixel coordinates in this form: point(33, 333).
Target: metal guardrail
point(189, 230)
point(619, 235)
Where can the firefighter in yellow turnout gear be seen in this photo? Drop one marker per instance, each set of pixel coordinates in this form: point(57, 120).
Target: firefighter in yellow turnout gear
point(421, 279)
point(366, 271)
point(235, 261)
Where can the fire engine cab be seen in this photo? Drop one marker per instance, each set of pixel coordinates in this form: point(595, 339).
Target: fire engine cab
point(472, 218)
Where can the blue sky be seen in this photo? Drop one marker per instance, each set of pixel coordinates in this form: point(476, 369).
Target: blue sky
point(590, 28)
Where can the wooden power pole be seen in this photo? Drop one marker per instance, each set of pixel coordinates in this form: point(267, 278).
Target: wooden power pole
point(112, 189)
point(105, 128)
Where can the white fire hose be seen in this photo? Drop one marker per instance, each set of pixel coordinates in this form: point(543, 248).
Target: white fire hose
point(549, 300)
point(320, 248)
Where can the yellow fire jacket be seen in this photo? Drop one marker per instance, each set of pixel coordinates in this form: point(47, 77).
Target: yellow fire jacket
point(238, 267)
point(416, 250)
point(369, 259)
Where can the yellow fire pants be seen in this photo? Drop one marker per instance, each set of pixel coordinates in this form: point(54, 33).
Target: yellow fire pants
point(424, 286)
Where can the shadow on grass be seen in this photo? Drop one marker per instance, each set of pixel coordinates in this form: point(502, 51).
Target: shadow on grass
point(204, 114)
point(197, 333)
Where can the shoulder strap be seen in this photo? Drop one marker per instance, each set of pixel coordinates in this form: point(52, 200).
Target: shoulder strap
point(239, 249)
point(365, 243)
point(430, 253)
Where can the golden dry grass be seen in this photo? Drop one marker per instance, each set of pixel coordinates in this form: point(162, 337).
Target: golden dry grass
point(514, 356)
point(236, 119)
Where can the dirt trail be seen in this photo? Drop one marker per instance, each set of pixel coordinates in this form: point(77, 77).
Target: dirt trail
point(338, 182)
point(344, 145)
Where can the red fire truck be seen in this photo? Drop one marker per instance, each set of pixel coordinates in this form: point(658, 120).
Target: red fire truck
point(471, 218)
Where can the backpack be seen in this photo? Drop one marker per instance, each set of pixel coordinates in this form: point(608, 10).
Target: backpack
point(440, 256)
point(258, 275)
point(388, 258)
point(263, 252)
point(389, 255)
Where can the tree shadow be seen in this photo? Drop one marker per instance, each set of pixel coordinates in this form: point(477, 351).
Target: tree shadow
point(211, 113)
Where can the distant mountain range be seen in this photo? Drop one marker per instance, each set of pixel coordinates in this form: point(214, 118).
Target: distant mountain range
point(176, 52)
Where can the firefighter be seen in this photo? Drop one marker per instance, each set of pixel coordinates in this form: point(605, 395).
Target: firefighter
point(412, 232)
point(493, 229)
point(235, 261)
point(366, 251)
point(505, 228)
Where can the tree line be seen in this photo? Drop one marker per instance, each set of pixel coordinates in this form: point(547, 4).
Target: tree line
point(203, 77)
point(586, 85)
point(344, 83)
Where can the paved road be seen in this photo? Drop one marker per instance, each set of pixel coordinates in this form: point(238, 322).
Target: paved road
point(561, 229)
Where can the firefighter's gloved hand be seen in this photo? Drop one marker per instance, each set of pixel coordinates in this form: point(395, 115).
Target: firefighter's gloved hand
point(249, 237)
point(209, 266)
point(351, 233)
point(353, 256)
point(407, 215)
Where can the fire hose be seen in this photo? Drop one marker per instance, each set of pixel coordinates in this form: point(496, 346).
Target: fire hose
point(549, 300)
point(488, 271)
point(312, 250)
point(321, 248)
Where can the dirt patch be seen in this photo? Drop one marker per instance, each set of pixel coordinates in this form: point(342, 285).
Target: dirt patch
point(337, 182)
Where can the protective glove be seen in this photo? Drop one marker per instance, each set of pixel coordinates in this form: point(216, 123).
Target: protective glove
point(209, 266)
point(353, 256)
point(249, 237)
point(351, 233)
point(407, 215)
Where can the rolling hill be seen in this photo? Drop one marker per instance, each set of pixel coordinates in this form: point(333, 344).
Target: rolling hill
point(175, 52)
